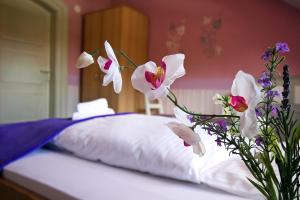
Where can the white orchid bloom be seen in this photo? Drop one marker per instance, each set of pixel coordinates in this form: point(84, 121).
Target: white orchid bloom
point(153, 80)
point(189, 137)
point(84, 60)
point(111, 68)
point(244, 85)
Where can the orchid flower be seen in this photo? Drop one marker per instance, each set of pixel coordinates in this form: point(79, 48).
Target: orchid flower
point(153, 80)
point(111, 68)
point(84, 60)
point(189, 137)
point(184, 131)
point(244, 85)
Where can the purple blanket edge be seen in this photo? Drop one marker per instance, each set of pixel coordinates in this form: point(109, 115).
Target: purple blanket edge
point(19, 139)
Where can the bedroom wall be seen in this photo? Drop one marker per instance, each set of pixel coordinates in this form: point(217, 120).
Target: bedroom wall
point(77, 8)
point(219, 37)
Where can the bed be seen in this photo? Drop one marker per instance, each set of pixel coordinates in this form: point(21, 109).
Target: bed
point(137, 165)
point(57, 175)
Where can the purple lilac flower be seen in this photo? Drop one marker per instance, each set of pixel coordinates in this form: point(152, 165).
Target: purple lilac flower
point(267, 55)
point(264, 80)
point(223, 124)
point(258, 112)
point(190, 118)
point(271, 94)
point(218, 141)
point(258, 140)
point(274, 111)
point(208, 132)
point(282, 47)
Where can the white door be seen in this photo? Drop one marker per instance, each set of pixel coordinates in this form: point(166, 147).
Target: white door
point(24, 61)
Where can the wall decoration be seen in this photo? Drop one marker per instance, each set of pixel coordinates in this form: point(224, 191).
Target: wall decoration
point(208, 36)
point(175, 33)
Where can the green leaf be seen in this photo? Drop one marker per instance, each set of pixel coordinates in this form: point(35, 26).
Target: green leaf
point(259, 187)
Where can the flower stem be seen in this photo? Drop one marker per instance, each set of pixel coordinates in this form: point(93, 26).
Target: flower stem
point(95, 52)
point(128, 59)
point(174, 101)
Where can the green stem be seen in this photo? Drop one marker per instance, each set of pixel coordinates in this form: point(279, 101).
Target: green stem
point(95, 52)
point(200, 115)
point(128, 59)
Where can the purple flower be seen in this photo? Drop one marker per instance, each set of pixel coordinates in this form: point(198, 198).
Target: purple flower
point(208, 132)
point(223, 124)
point(271, 94)
point(258, 140)
point(190, 118)
point(267, 55)
point(264, 80)
point(258, 112)
point(282, 47)
point(218, 141)
point(274, 111)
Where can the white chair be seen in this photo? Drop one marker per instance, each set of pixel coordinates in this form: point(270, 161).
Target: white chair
point(153, 105)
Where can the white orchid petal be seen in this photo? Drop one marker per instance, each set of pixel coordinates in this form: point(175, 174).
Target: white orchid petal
point(244, 85)
point(248, 123)
point(199, 148)
point(101, 62)
point(110, 52)
point(184, 133)
point(138, 77)
point(175, 68)
point(84, 60)
point(182, 117)
point(107, 79)
point(117, 80)
point(158, 93)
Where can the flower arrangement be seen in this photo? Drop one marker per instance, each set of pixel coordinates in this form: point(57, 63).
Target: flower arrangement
point(254, 124)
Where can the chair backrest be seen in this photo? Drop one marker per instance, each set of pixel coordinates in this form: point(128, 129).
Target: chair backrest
point(153, 105)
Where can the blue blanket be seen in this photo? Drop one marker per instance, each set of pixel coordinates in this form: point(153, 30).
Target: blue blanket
point(18, 139)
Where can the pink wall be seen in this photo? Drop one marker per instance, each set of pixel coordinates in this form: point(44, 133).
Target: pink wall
point(248, 27)
point(75, 30)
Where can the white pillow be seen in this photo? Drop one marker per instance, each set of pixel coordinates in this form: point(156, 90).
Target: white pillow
point(146, 144)
point(231, 176)
point(140, 142)
point(86, 114)
point(92, 106)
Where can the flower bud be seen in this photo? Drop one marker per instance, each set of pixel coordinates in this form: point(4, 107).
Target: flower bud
point(238, 103)
point(84, 60)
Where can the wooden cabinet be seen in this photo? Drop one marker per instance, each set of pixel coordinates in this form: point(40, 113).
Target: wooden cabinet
point(125, 29)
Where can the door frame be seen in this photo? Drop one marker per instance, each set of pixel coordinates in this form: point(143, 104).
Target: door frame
point(58, 56)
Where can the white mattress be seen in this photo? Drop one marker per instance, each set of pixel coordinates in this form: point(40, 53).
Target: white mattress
point(61, 176)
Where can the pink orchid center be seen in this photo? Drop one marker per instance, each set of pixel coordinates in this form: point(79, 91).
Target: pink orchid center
point(158, 77)
point(107, 64)
point(186, 144)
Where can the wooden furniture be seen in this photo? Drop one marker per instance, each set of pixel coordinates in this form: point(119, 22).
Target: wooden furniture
point(12, 191)
point(125, 29)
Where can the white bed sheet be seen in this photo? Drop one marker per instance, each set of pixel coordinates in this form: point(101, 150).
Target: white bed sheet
point(61, 176)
